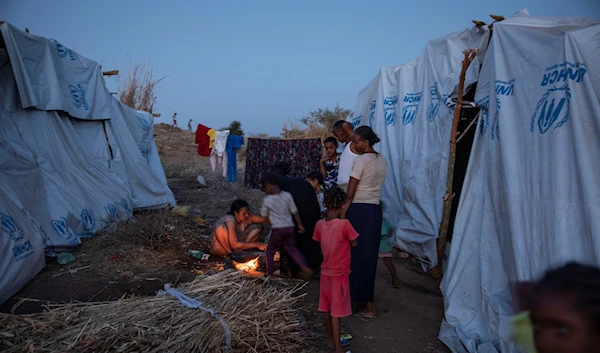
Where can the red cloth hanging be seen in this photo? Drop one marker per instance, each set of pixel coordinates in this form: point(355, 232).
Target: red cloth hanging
point(203, 140)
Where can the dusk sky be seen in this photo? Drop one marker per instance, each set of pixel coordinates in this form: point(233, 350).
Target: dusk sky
point(263, 63)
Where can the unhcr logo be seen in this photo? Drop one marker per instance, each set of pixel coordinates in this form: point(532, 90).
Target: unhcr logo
point(372, 107)
point(88, 223)
point(111, 211)
point(63, 51)
point(434, 105)
point(389, 109)
point(356, 121)
point(61, 228)
point(126, 207)
point(485, 123)
point(143, 122)
point(78, 95)
point(552, 110)
point(49, 244)
point(505, 88)
point(11, 228)
point(411, 107)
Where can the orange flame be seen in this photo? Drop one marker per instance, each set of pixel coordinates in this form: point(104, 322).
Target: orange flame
point(249, 266)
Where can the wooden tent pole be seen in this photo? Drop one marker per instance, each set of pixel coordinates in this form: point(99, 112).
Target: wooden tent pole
point(441, 242)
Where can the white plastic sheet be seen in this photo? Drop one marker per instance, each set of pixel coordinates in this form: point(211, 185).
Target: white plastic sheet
point(50, 76)
point(409, 107)
point(21, 244)
point(531, 196)
point(145, 140)
point(70, 171)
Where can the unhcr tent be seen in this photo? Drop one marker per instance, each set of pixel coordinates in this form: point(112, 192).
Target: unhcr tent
point(410, 107)
point(73, 159)
point(531, 196)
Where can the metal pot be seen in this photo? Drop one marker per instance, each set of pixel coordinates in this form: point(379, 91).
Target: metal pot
point(245, 256)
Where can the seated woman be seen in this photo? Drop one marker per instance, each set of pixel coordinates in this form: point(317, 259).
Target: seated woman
point(237, 231)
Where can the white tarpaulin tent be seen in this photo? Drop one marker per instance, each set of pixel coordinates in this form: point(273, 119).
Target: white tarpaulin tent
point(531, 196)
point(72, 158)
point(410, 108)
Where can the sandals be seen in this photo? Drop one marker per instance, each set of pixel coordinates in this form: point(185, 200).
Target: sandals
point(344, 342)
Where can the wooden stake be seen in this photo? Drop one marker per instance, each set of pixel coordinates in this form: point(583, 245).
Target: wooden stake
point(110, 73)
point(441, 242)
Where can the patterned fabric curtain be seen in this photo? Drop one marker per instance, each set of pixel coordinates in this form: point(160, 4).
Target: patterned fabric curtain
point(261, 154)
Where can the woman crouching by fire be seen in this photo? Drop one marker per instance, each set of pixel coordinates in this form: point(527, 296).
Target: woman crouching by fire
point(239, 230)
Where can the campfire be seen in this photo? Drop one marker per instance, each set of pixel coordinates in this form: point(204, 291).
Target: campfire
point(249, 266)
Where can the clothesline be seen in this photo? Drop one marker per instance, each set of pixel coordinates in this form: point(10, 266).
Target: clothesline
point(221, 147)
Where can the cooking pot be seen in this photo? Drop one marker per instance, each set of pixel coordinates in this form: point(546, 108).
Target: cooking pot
point(245, 256)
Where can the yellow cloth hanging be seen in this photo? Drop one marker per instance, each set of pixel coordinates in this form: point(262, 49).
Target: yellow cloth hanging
point(212, 133)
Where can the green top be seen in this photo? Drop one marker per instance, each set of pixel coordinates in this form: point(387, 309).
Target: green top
point(523, 331)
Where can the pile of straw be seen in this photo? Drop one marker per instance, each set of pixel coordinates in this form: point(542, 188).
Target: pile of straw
point(260, 315)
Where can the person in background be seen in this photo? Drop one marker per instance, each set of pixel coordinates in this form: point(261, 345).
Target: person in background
point(279, 207)
point(342, 130)
point(363, 210)
point(330, 164)
point(565, 310)
point(190, 125)
point(308, 207)
point(237, 231)
point(386, 253)
point(336, 236)
point(174, 120)
point(315, 179)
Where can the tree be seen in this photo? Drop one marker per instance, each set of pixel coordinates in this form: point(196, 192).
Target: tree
point(317, 124)
point(139, 89)
point(325, 117)
point(235, 128)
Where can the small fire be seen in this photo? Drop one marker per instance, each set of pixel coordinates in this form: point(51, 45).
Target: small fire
point(249, 266)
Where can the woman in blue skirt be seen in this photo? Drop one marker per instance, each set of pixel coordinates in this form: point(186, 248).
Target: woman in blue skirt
point(363, 210)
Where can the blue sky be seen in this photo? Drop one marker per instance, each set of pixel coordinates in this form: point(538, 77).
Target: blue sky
point(264, 63)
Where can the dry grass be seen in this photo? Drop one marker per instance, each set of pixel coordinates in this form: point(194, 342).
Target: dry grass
point(260, 315)
point(138, 89)
point(294, 131)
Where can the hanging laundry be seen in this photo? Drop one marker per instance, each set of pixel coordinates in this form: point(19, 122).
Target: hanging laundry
point(234, 143)
point(302, 155)
point(218, 154)
point(212, 133)
point(216, 159)
point(203, 140)
point(221, 142)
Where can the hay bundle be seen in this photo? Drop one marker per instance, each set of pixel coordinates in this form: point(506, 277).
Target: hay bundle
point(259, 314)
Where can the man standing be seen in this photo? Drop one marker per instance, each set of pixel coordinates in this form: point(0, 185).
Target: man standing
point(342, 130)
point(174, 120)
point(190, 125)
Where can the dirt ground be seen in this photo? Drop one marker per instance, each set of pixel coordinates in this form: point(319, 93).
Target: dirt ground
point(141, 256)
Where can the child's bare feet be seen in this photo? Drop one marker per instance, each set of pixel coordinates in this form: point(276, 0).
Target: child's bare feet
point(330, 343)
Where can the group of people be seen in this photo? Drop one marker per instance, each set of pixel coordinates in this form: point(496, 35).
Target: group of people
point(331, 220)
point(337, 210)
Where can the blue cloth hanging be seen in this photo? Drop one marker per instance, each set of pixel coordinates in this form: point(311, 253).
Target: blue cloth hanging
point(234, 143)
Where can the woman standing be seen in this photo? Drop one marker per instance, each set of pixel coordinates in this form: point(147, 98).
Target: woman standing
point(363, 207)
